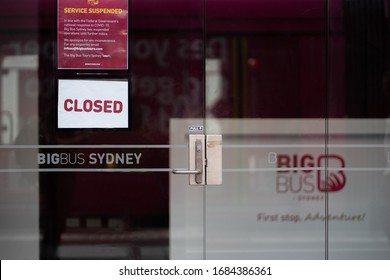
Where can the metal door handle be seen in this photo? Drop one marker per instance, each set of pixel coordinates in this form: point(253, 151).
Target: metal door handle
point(199, 165)
point(185, 172)
point(199, 172)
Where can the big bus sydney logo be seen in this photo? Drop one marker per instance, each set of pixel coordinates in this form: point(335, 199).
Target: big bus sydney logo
point(308, 176)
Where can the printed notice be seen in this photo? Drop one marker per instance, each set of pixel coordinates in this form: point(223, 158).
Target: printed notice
point(93, 104)
point(93, 34)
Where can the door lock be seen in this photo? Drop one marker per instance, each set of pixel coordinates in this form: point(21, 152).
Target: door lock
point(205, 160)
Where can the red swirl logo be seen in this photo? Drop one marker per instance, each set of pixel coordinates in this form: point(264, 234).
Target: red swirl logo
point(331, 179)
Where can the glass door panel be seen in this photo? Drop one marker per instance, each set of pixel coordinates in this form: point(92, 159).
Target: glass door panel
point(270, 108)
point(358, 129)
point(105, 192)
point(266, 95)
point(96, 192)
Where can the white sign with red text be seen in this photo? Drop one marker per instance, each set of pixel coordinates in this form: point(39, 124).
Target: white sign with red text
point(93, 104)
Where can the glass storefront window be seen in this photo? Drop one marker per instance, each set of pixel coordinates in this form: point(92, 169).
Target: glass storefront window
point(298, 90)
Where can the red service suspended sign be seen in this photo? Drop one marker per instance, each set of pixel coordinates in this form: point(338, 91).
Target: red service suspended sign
point(93, 34)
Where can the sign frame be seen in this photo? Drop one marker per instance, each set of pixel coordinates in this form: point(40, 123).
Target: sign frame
point(97, 34)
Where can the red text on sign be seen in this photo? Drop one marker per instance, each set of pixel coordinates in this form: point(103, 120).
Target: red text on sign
point(97, 106)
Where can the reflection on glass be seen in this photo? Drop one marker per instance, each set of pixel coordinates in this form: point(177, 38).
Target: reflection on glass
point(298, 89)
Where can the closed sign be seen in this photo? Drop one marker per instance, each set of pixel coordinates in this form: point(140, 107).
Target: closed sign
point(93, 104)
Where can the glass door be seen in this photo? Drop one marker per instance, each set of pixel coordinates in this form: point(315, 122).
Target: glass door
point(305, 169)
point(273, 201)
point(111, 200)
point(266, 95)
point(306, 165)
